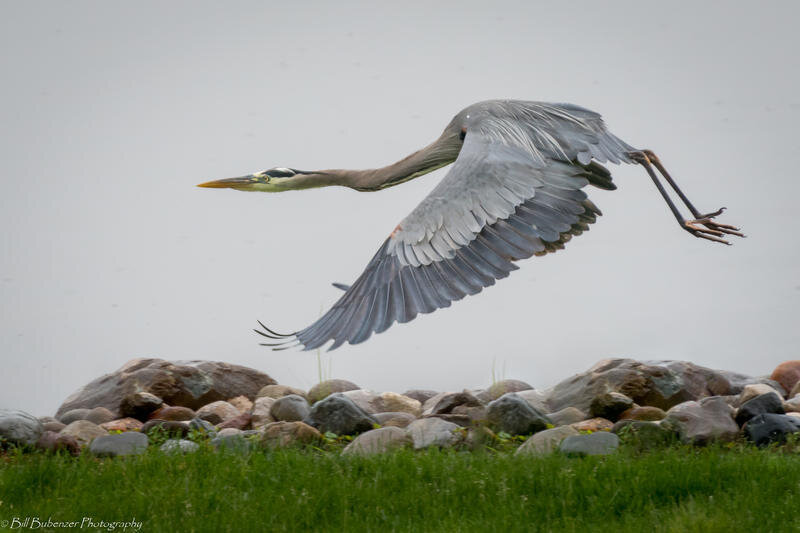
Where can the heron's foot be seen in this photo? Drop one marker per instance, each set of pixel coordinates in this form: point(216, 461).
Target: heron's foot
point(705, 227)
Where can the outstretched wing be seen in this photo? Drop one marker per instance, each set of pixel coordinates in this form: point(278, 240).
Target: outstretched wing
point(508, 196)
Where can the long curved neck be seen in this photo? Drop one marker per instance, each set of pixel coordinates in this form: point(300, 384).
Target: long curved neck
point(439, 153)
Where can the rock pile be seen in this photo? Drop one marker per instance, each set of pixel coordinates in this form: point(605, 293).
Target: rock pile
point(648, 404)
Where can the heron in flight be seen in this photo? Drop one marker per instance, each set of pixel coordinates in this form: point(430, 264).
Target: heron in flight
point(514, 191)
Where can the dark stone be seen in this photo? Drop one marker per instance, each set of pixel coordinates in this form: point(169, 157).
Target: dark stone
point(448, 402)
point(763, 404)
point(764, 429)
point(338, 414)
point(420, 395)
point(515, 416)
point(171, 427)
point(610, 405)
point(325, 388)
point(599, 443)
point(128, 443)
point(139, 405)
point(185, 383)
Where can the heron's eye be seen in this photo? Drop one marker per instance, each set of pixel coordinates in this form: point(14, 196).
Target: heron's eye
point(463, 134)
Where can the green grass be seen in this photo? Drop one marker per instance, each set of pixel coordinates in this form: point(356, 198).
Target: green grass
point(673, 490)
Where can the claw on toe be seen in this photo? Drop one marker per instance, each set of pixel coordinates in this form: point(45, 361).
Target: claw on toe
point(716, 213)
point(706, 228)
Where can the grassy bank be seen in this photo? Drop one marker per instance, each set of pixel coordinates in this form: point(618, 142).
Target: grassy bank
point(678, 489)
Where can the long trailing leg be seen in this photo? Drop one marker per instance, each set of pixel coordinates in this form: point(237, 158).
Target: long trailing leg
point(703, 225)
point(704, 219)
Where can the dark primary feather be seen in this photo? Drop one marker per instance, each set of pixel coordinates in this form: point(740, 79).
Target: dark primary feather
point(514, 191)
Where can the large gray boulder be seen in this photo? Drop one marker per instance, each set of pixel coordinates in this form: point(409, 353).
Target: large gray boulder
point(709, 420)
point(546, 441)
point(428, 432)
point(128, 443)
point(600, 443)
point(20, 427)
point(186, 383)
point(290, 408)
point(512, 414)
point(338, 414)
point(657, 383)
point(378, 441)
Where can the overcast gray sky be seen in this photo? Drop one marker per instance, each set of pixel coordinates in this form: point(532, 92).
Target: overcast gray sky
point(112, 112)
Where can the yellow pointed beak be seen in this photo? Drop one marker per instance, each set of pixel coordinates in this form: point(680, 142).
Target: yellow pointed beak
point(240, 183)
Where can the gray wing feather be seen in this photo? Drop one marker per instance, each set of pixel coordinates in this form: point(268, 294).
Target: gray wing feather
point(514, 191)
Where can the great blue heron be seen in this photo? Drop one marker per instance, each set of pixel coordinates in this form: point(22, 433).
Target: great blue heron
point(513, 191)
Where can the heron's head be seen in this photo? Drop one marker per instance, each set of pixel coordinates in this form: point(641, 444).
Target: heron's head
point(272, 180)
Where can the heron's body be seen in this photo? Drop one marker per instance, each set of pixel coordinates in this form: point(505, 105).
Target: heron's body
point(514, 190)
